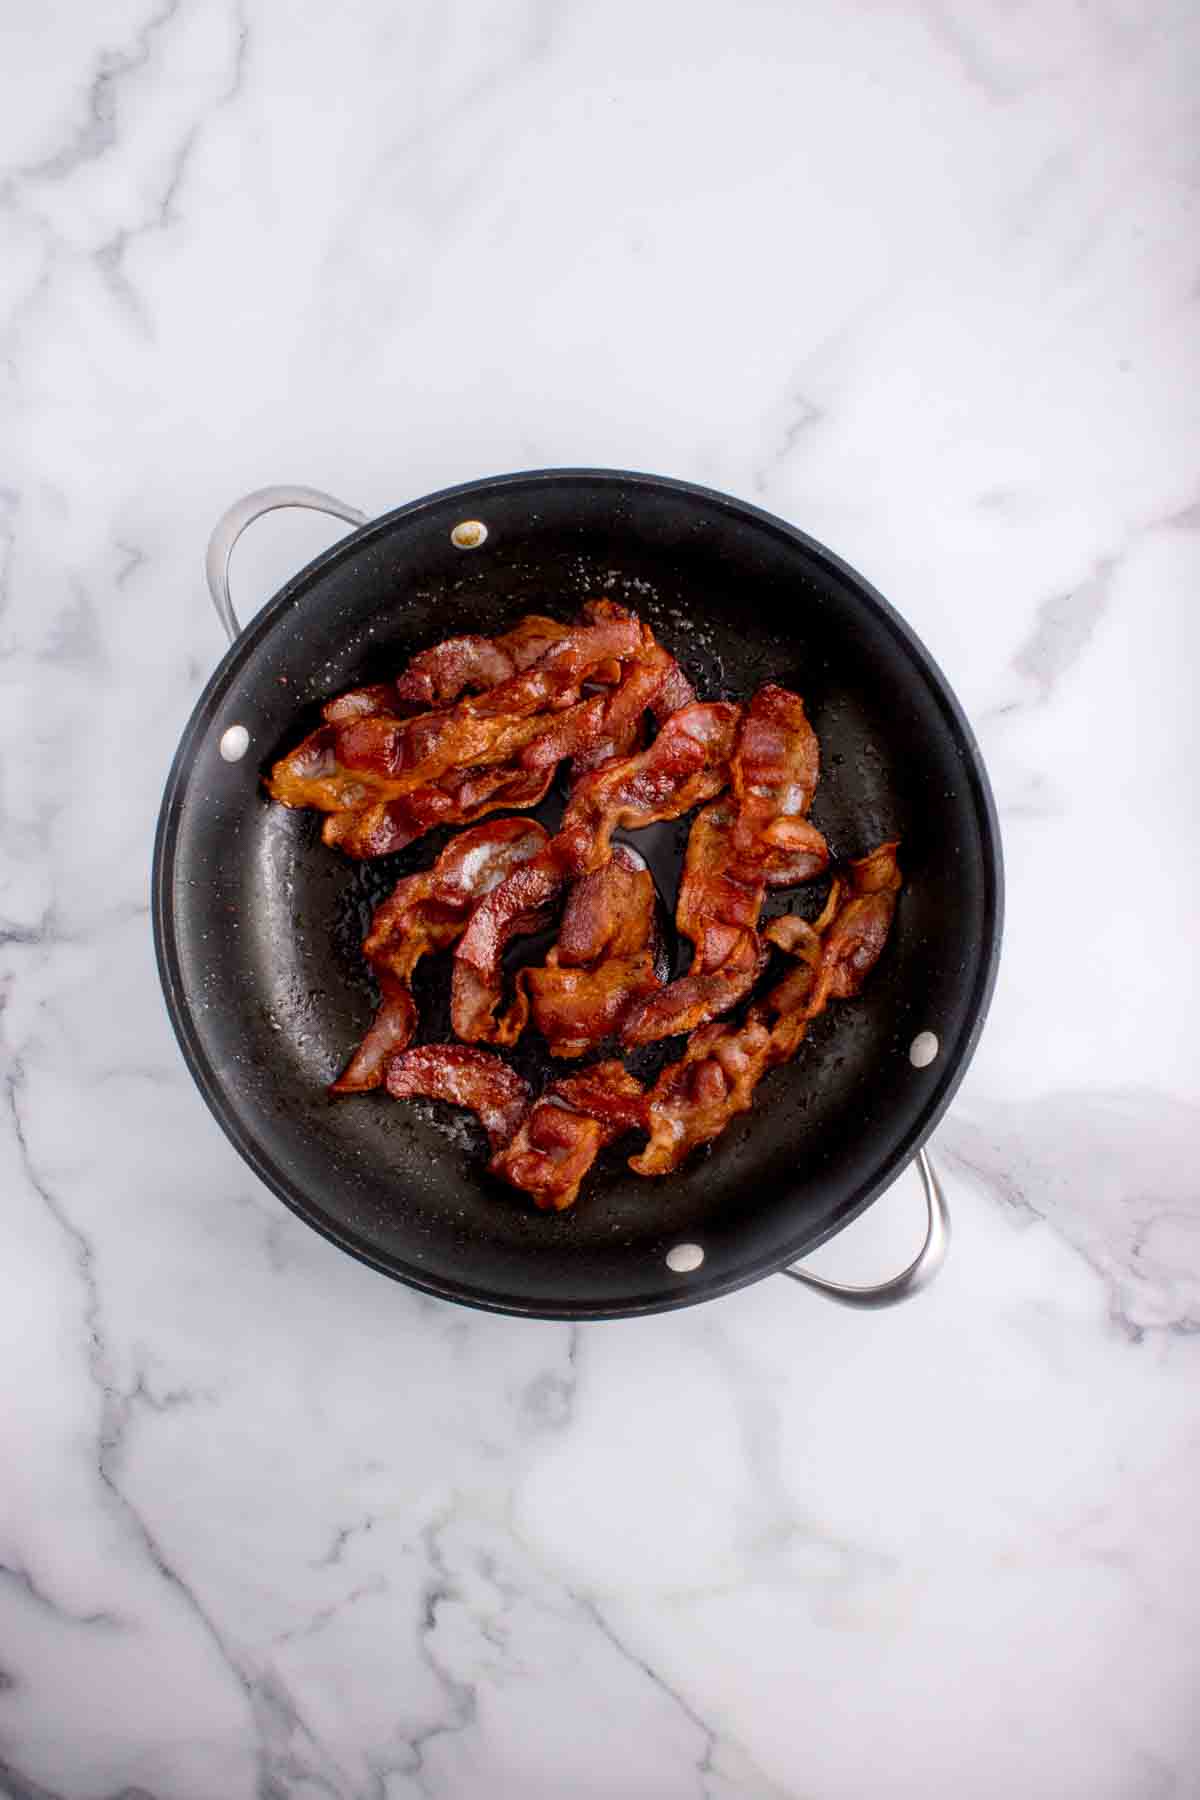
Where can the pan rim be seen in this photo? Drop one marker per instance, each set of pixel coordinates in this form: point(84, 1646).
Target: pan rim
point(222, 1103)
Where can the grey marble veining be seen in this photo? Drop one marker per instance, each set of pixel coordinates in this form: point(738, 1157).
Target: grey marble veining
point(923, 279)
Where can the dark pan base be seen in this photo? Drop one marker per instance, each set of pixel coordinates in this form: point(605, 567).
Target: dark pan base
point(258, 925)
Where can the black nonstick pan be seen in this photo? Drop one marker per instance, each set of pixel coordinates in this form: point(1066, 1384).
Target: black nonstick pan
point(258, 925)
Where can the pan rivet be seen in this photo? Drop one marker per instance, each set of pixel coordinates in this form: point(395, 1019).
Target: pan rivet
point(683, 1258)
point(234, 743)
point(468, 534)
point(923, 1049)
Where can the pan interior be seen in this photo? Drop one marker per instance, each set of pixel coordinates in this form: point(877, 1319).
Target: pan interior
point(260, 925)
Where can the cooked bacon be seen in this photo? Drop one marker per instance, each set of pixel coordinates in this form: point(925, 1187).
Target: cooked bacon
point(360, 703)
point(854, 941)
point(463, 1076)
point(554, 682)
point(655, 682)
point(836, 953)
point(773, 777)
point(438, 676)
point(520, 905)
point(550, 1155)
point(399, 772)
point(717, 912)
point(458, 799)
point(698, 996)
point(607, 1092)
point(398, 755)
point(758, 838)
point(794, 1000)
point(694, 1100)
point(427, 912)
point(310, 774)
point(606, 749)
point(612, 725)
point(474, 724)
point(386, 779)
point(605, 960)
point(676, 691)
point(687, 763)
point(675, 688)
point(796, 936)
point(606, 719)
point(717, 903)
point(541, 692)
point(390, 1030)
point(563, 1133)
point(362, 748)
point(366, 758)
point(808, 858)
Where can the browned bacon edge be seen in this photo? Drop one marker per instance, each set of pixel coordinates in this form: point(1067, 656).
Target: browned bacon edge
point(687, 763)
point(500, 714)
point(757, 837)
point(565, 1130)
point(694, 1099)
point(607, 958)
point(426, 912)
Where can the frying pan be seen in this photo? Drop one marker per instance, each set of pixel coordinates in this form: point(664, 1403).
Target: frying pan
point(258, 926)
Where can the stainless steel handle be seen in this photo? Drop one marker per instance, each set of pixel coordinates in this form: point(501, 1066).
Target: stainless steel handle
point(244, 512)
point(919, 1272)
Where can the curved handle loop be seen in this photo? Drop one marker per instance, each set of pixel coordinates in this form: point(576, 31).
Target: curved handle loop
point(919, 1273)
point(243, 512)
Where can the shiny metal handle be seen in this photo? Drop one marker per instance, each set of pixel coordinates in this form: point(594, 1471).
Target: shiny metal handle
point(919, 1272)
point(244, 512)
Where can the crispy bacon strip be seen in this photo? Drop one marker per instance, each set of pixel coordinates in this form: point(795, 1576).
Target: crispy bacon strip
point(426, 912)
point(656, 682)
point(854, 941)
point(606, 958)
point(391, 825)
point(385, 779)
point(521, 904)
point(555, 680)
point(401, 777)
point(372, 757)
point(687, 763)
point(717, 912)
point(621, 743)
point(612, 727)
point(363, 754)
point(360, 703)
point(694, 1100)
point(438, 676)
point(608, 719)
point(757, 838)
point(463, 1076)
point(541, 692)
point(773, 777)
point(676, 691)
point(698, 996)
point(565, 1130)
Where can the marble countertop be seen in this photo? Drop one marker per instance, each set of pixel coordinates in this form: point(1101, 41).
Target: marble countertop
point(921, 278)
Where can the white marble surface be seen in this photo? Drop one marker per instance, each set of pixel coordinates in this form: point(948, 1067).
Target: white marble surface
point(921, 277)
